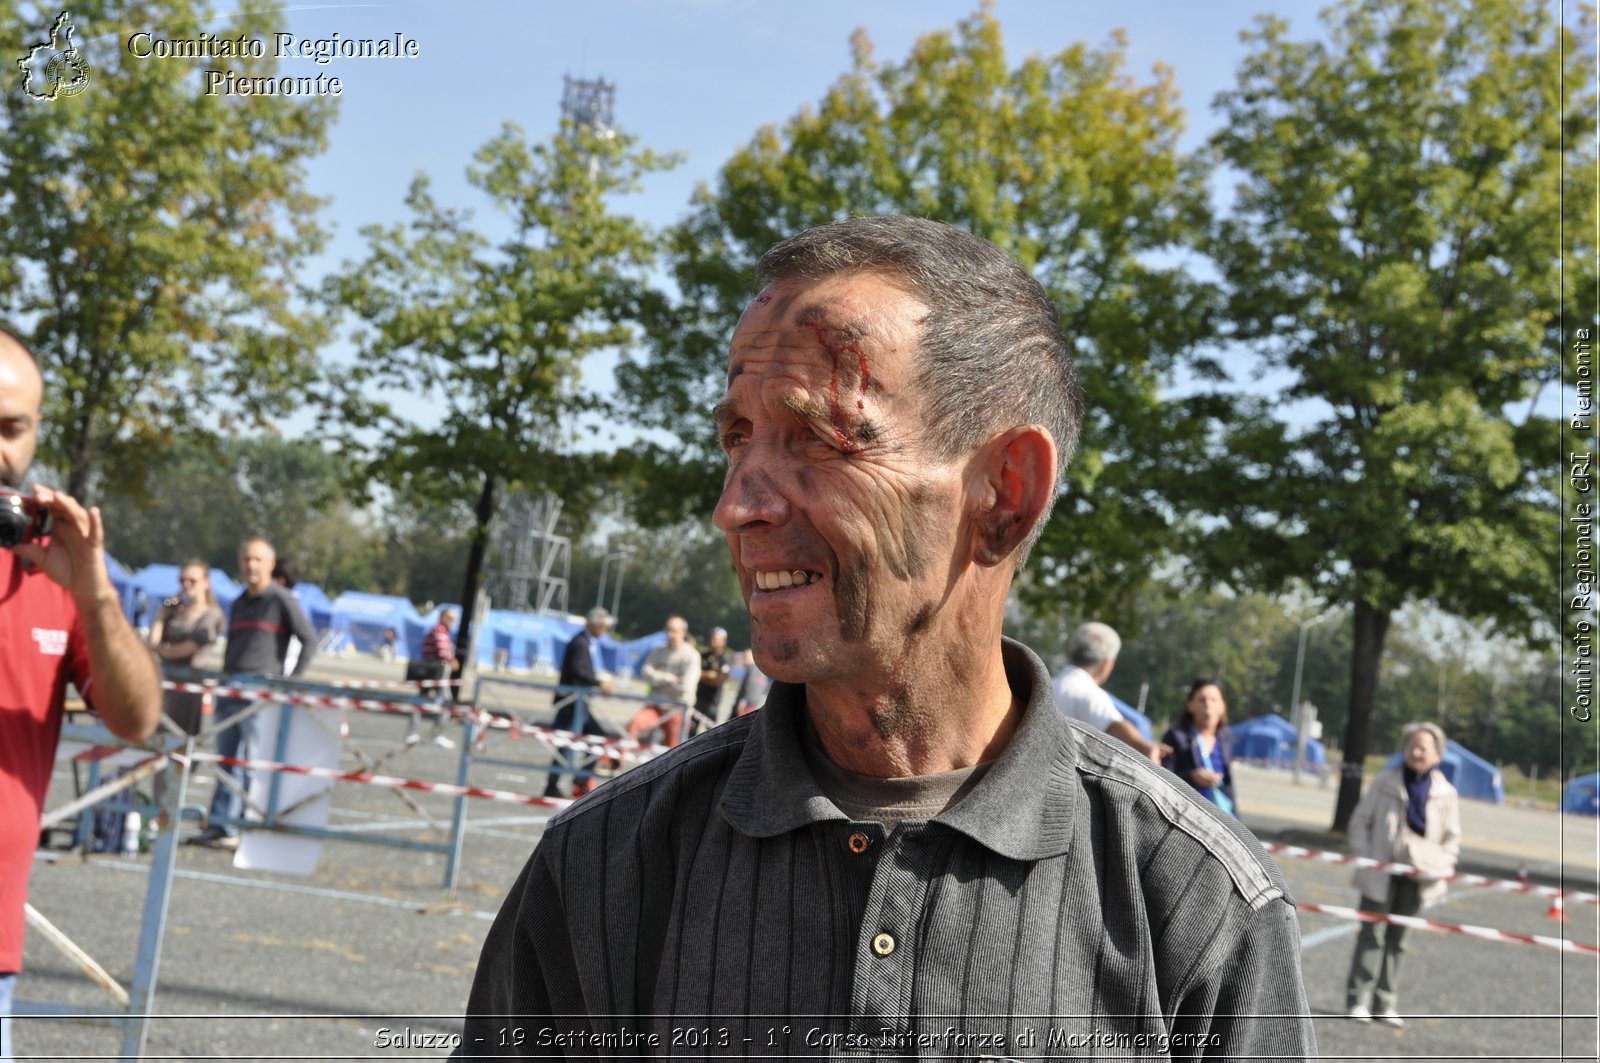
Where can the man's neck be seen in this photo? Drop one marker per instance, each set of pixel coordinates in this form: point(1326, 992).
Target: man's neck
point(932, 715)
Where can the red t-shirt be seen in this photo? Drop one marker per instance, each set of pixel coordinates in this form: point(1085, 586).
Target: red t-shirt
point(42, 648)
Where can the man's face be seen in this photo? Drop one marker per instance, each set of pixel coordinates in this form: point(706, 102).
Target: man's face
point(255, 565)
point(21, 393)
point(677, 631)
point(448, 618)
point(719, 642)
point(842, 525)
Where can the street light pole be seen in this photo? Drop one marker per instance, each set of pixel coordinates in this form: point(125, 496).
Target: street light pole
point(600, 595)
point(1294, 699)
point(616, 594)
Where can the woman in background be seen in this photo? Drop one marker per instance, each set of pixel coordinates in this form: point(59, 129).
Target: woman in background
point(1200, 745)
point(185, 626)
point(1409, 815)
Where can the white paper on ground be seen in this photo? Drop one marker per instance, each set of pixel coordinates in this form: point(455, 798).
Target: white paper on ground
point(313, 743)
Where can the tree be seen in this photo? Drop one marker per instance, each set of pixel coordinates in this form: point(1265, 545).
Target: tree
point(153, 265)
point(497, 335)
point(209, 496)
point(1066, 161)
point(1391, 255)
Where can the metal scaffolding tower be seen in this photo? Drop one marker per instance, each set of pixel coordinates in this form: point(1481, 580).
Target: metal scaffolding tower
point(533, 564)
point(589, 102)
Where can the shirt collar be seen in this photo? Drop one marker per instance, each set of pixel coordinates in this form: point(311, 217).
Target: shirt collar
point(1021, 809)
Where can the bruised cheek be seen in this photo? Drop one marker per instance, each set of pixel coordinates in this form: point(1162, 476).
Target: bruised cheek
point(907, 540)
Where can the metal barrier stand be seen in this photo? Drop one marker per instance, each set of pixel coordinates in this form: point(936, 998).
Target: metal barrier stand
point(346, 698)
point(133, 1016)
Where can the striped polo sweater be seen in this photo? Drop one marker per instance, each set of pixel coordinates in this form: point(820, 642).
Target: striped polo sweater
point(713, 903)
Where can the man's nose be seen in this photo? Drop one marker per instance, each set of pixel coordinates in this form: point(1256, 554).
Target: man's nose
point(752, 495)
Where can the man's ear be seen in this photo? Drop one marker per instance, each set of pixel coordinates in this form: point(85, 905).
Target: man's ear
point(1018, 480)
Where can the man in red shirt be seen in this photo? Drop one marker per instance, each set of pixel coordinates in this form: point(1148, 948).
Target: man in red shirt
point(60, 623)
point(438, 661)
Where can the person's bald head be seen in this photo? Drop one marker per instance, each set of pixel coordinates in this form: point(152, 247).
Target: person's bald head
point(21, 396)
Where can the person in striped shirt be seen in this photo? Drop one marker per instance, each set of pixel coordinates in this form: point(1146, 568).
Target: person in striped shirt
point(436, 664)
point(909, 851)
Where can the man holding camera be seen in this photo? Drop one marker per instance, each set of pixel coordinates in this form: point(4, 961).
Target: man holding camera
point(60, 622)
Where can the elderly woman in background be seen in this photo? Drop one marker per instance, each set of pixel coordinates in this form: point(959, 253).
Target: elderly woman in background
point(1410, 815)
point(186, 625)
point(1200, 745)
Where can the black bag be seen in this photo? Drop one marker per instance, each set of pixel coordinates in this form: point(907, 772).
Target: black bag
point(426, 668)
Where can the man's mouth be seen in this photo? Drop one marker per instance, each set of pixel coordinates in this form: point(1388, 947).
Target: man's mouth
point(778, 579)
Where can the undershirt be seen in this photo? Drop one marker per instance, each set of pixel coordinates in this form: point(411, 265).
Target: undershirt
point(868, 798)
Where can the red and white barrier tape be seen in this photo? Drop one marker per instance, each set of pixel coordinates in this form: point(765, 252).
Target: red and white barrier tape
point(394, 684)
point(627, 749)
point(1419, 923)
point(1510, 885)
point(389, 781)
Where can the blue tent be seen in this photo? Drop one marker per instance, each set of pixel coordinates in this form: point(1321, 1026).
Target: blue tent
point(1582, 795)
point(315, 602)
point(1139, 720)
point(122, 580)
point(1470, 774)
point(161, 581)
point(358, 621)
point(1271, 737)
point(630, 655)
point(526, 639)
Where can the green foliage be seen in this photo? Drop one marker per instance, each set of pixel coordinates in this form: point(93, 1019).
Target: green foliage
point(1391, 254)
point(205, 498)
point(1394, 243)
point(497, 335)
point(1066, 161)
point(153, 265)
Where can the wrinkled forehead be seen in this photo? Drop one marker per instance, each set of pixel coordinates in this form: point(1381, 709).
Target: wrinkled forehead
point(854, 319)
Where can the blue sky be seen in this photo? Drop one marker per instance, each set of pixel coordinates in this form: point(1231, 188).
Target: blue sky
point(696, 76)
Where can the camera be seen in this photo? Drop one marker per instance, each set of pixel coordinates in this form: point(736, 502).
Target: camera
point(22, 519)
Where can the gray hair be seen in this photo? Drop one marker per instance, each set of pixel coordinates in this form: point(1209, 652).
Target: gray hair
point(1094, 643)
point(992, 352)
point(1431, 728)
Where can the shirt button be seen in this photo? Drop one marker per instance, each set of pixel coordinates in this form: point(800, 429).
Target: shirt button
point(883, 944)
point(859, 843)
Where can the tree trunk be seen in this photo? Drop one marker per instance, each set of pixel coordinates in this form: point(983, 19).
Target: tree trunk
point(1370, 627)
point(469, 593)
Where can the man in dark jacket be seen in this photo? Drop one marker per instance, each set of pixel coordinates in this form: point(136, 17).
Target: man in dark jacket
point(261, 624)
point(580, 675)
point(909, 851)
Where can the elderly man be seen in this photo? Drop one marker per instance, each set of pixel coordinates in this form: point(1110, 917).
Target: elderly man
point(60, 624)
point(1092, 656)
point(909, 850)
point(581, 674)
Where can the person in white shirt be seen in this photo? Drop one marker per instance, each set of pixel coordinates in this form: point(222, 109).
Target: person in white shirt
point(1093, 653)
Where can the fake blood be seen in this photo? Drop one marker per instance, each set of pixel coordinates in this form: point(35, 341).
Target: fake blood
point(836, 412)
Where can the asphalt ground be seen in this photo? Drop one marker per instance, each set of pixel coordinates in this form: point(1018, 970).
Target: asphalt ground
point(370, 955)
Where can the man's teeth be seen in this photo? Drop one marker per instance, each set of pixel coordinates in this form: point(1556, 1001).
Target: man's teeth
point(771, 581)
